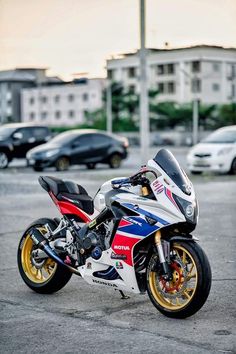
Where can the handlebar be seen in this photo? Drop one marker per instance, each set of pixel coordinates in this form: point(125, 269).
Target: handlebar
point(136, 179)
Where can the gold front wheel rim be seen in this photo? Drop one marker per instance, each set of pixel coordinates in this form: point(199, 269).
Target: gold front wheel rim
point(37, 275)
point(176, 294)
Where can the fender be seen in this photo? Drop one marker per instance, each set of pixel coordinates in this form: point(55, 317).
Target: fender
point(188, 238)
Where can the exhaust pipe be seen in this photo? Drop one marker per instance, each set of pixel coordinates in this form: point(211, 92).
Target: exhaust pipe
point(40, 241)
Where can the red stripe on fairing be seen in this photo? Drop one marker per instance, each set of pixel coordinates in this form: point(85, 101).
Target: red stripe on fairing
point(121, 242)
point(124, 222)
point(169, 195)
point(69, 208)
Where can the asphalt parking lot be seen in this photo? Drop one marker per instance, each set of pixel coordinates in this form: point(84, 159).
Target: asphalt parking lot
point(87, 319)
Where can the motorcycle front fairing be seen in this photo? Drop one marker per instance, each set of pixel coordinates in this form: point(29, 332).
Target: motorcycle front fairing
point(144, 216)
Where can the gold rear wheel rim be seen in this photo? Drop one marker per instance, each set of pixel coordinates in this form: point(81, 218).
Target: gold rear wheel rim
point(37, 275)
point(176, 294)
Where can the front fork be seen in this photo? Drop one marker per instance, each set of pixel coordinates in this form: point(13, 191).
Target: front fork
point(166, 271)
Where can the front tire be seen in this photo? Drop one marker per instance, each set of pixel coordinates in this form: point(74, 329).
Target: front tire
point(191, 283)
point(4, 160)
point(43, 277)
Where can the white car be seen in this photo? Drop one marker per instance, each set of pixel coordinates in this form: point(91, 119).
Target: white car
point(216, 153)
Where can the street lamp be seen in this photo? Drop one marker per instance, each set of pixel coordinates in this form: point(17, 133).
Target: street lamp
point(143, 111)
point(109, 107)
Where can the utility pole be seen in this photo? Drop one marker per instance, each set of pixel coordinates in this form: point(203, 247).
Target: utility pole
point(143, 104)
point(109, 107)
point(195, 121)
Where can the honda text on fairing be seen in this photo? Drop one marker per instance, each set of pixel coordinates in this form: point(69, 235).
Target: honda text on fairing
point(134, 236)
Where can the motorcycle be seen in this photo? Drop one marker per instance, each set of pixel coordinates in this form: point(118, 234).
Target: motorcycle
point(134, 236)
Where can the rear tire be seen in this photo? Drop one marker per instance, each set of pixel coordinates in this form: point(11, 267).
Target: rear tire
point(4, 160)
point(191, 283)
point(233, 167)
point(46, 278)
point(62, 163)
point(196, 172)
point(115, 161)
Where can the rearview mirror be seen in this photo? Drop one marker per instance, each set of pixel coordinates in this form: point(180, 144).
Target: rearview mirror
point(17, 136)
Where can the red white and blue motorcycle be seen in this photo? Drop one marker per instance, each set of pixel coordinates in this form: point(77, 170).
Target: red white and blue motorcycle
point(135, 236)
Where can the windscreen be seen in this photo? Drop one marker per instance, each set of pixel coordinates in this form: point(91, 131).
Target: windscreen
point(5, 132)
point(170, 166)
point(64, 138)
point(222, 137)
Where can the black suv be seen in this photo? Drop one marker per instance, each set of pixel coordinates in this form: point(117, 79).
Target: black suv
point(73, 147)
point(17, 138)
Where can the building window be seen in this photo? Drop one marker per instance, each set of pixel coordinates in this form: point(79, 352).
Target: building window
point(216, 67)
point(71, 114)
point(85, 97)
point(196, 85)
point(233, 91)
point(43, 99)
point(132, 72)
point(44, 115)
point(57, 98)
point(215, 87)
point(32, 116)
point(31, 100)
point(161, 87)
point(71, 98)
point(160, 69)
point(196, 66)
point(131, 89)
point(110, 74)
point(171, 87)
point(58, 114)
point(170, 69)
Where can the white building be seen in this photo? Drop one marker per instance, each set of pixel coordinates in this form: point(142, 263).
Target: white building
point(206, 73)
point(62, 105)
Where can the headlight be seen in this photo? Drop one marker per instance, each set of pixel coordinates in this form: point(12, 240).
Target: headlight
point(189, 209)
point(51, 152)
point(225, 151)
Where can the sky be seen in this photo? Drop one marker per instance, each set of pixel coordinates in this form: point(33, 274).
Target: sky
point(77, 36)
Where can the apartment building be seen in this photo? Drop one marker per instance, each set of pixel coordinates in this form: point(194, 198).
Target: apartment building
point(62, 105)
point(11, 84)
point(206, 73)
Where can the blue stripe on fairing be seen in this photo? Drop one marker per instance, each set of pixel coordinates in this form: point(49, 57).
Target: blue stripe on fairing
point(107, 274)
point(146, 213)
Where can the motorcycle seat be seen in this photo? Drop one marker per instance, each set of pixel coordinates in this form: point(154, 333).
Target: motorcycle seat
point(64, 190)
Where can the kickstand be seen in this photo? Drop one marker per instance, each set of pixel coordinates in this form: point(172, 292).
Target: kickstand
point(123, 296)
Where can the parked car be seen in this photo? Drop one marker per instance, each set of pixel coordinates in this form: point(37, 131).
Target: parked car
point(73, 147)
point(18, 138)
point(216, 153)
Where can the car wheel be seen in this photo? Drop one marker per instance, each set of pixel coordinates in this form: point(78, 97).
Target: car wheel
point(4, 160)
point(196, 172)
point(62, 163)
point(115, 161)
point(233, 167)
point(37, 169)
point(91, 166)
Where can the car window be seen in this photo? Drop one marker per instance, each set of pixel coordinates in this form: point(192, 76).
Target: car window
point(26, 133)
point(83, 139)
point(40, 132)
point(100, 139)
point(223, 136)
